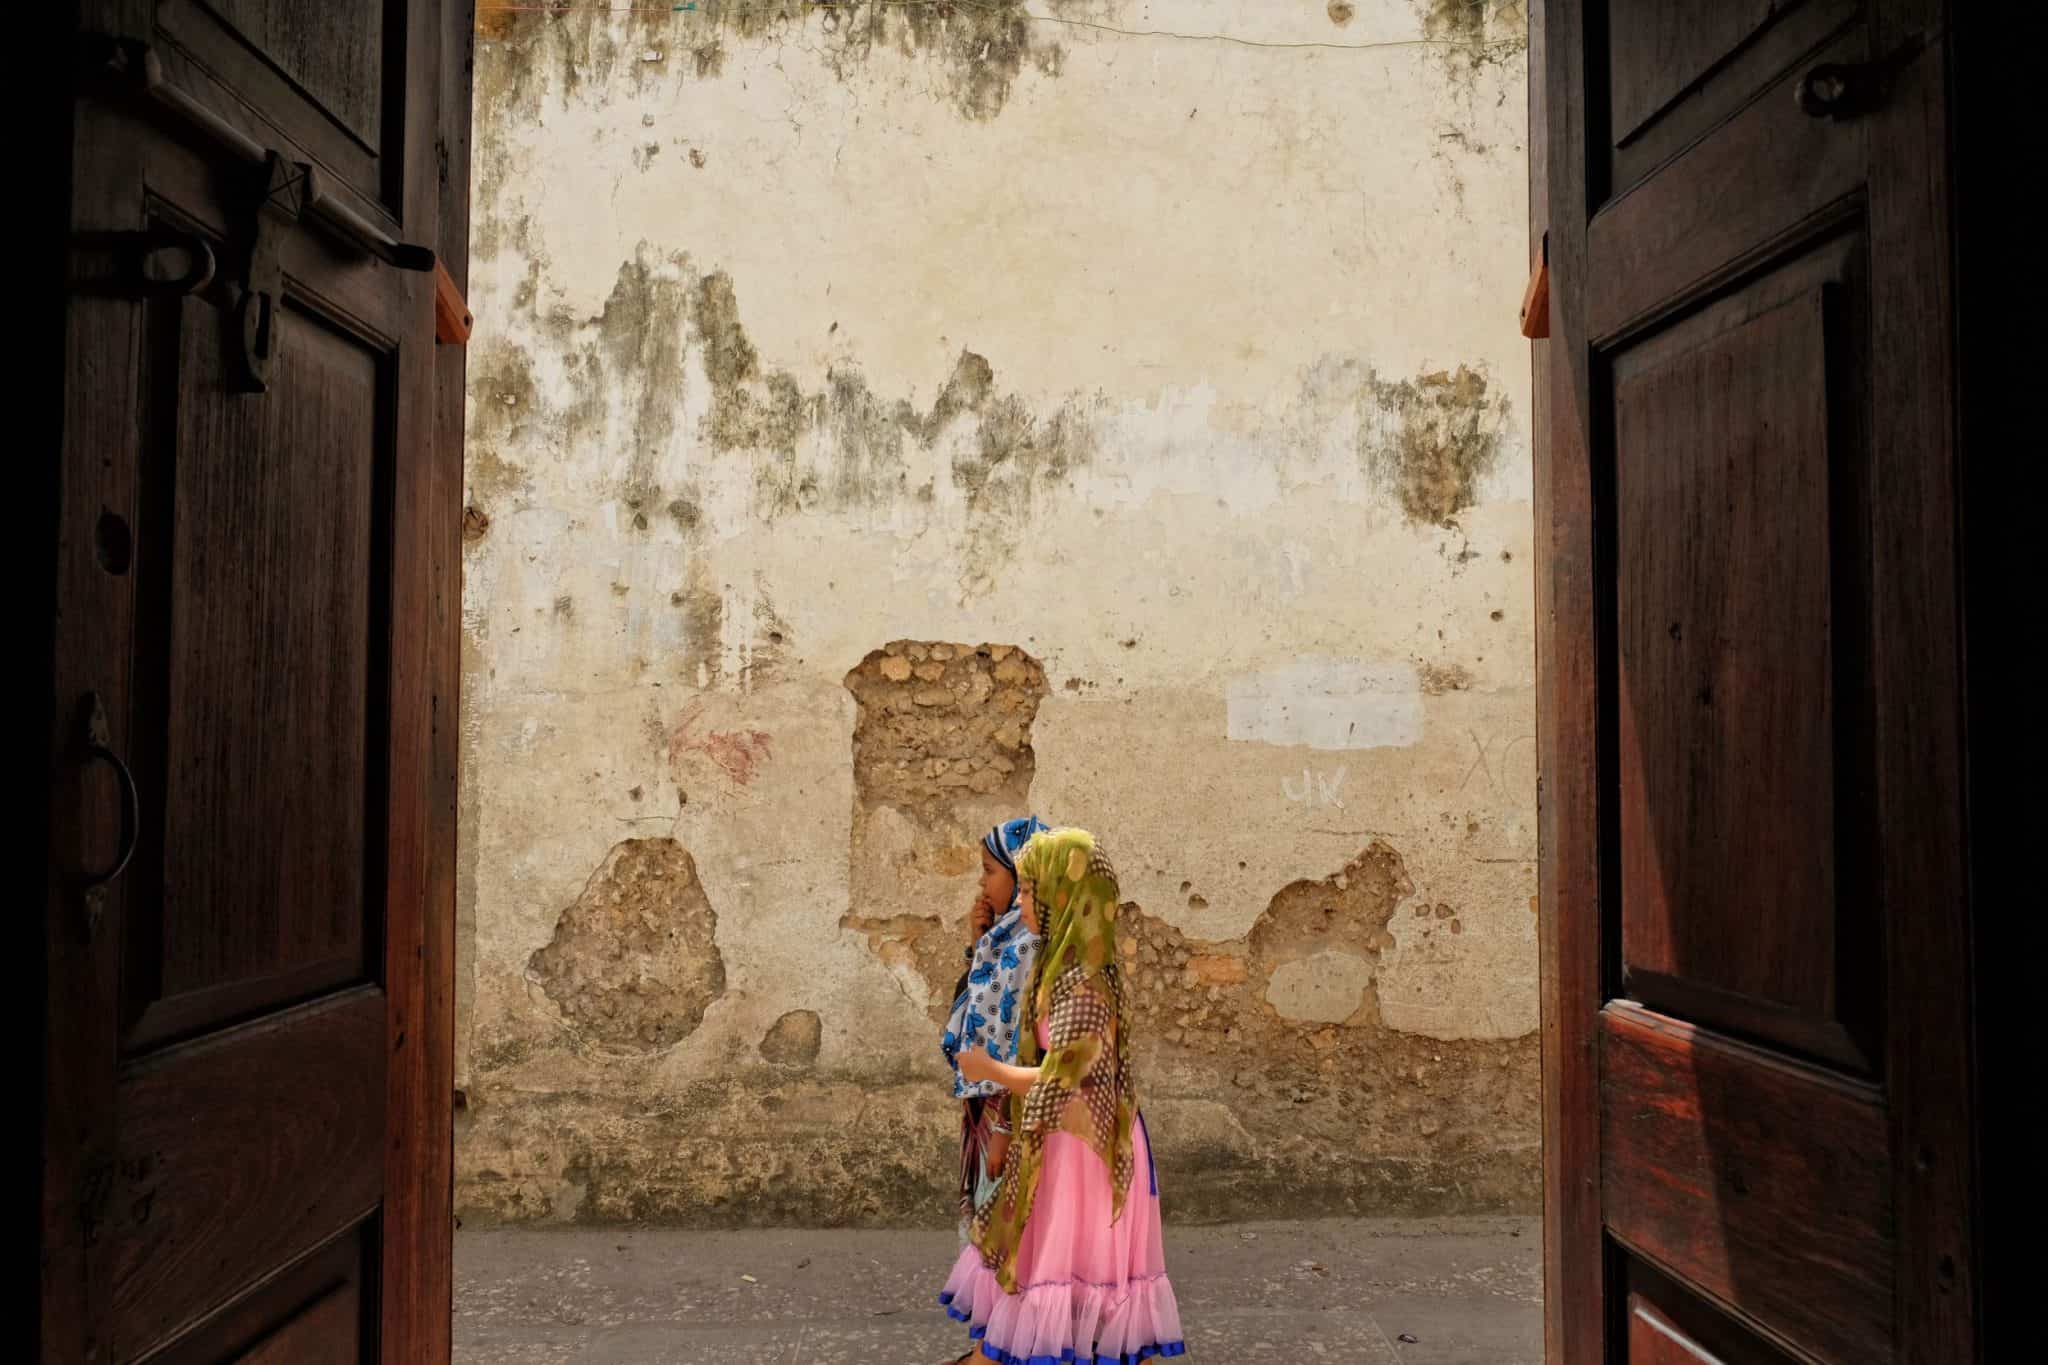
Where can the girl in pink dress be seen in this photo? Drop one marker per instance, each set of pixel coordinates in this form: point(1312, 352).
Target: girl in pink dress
point(1067, 1263)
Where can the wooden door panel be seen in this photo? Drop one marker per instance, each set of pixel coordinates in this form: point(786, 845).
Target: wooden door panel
point(326, 78)
point(1762, 1182)
point(1667, 1324)
point(1741, 806)
point(1677, 71)
point(327, 1333)
point(317, 1309)
point(1657, 52)
point(1737, 195)
point(1727, 802)
point(1652, 1340)
point(332, 53)
point(239, 1153)
point(269, 567)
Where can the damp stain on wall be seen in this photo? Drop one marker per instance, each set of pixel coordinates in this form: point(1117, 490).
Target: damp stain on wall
point(757, 1146)
point(978, 49)
point(1473, 35)
point(1430, 441)
point(843, 445)
point(666, 327)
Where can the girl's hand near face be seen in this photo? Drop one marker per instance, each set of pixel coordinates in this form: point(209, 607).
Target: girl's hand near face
point(992, 895)
point(980, 918)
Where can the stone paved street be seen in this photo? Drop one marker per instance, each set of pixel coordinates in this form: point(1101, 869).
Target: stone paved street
point(1437, 1292)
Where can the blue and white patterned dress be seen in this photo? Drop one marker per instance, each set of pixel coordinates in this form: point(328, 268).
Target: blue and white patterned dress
point(985, 1013)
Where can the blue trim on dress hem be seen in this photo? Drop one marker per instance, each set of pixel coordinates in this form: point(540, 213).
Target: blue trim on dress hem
point(1163, 1351)
point(1159, 1351)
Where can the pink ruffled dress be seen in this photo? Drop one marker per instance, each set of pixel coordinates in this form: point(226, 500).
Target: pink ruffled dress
point(1090, 1291)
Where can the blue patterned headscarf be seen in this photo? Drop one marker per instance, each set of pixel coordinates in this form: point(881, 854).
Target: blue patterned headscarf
point(999, 970)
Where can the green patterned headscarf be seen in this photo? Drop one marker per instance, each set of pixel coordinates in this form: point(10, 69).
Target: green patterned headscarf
point(1084, 1084)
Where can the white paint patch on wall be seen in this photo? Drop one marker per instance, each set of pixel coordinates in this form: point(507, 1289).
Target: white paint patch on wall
point(1327, 704)
point(1325, 989)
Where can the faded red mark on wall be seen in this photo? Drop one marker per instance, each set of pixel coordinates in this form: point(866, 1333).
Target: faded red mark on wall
point(738, 754)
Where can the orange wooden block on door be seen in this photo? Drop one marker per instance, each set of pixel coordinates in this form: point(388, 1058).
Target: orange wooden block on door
point(451, 314)
point(1536, 298)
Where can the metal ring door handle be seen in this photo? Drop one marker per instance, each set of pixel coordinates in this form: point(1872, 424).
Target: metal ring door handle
point(98, 747)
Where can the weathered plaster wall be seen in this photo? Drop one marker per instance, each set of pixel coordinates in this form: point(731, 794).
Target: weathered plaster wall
point(885, 419)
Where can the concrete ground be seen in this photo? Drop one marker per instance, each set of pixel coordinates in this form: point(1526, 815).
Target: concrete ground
point(1437, 1292)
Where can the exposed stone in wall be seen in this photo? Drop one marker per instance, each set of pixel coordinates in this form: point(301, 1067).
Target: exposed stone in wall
point(940, 720)
point(941, 751)
point(1256, 1095)
point(634, 962)
point(1323, 1101)
point(794, 1039)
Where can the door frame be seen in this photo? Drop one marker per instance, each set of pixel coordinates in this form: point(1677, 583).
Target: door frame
point(416, 1290)
point(1567, 734)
